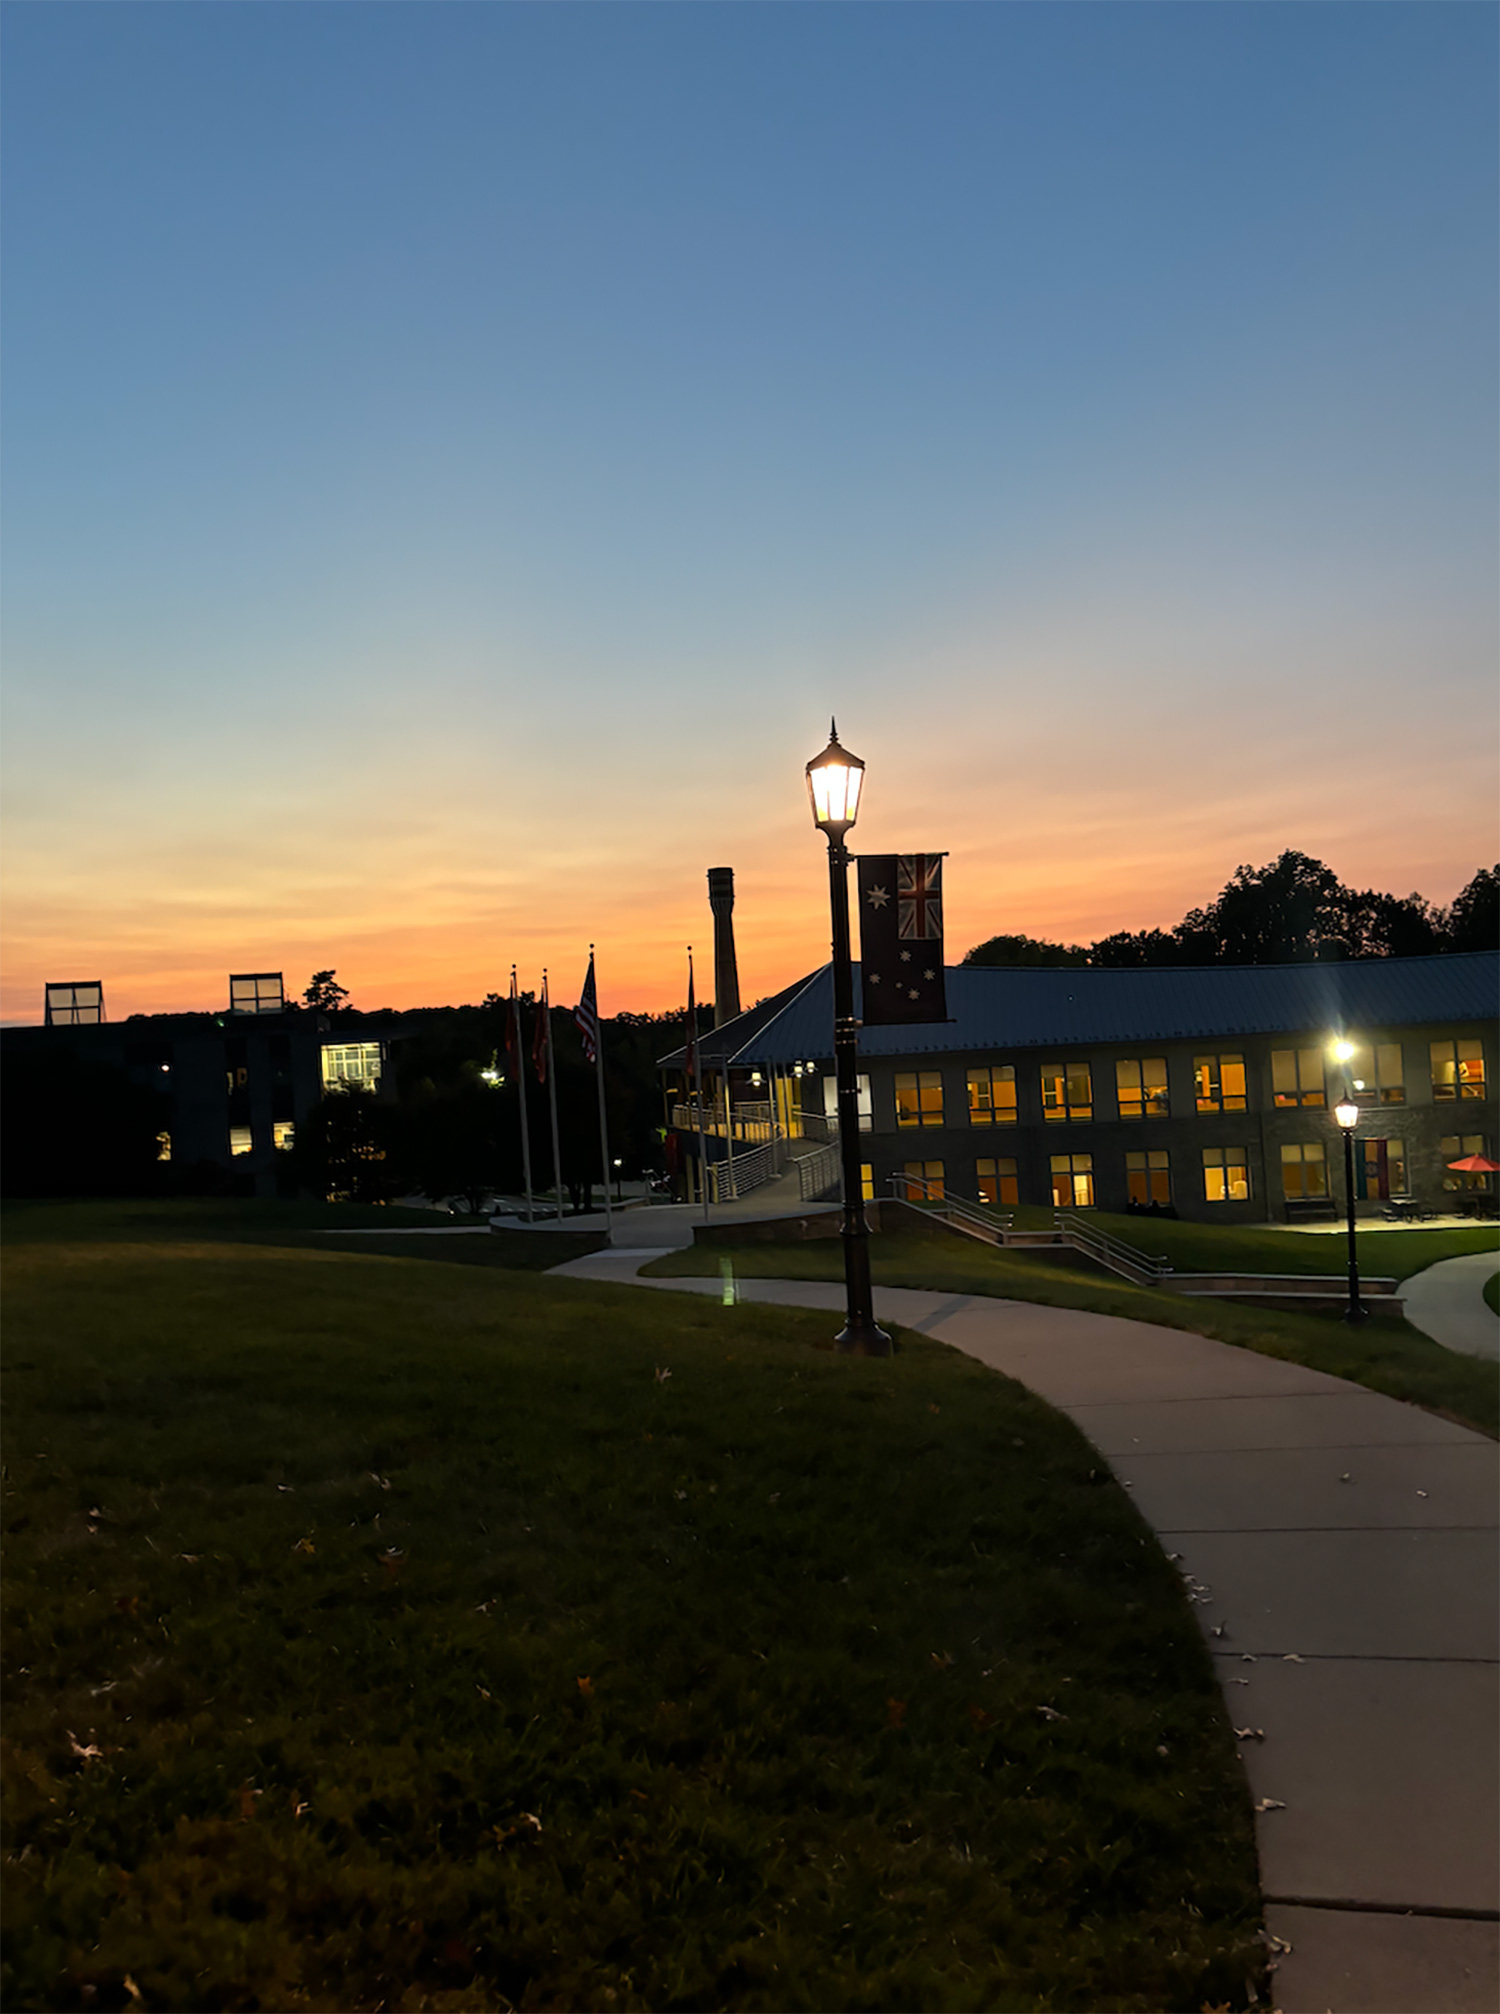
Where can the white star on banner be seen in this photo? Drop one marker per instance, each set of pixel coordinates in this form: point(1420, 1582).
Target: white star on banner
point(906, 958)
point(877, 897)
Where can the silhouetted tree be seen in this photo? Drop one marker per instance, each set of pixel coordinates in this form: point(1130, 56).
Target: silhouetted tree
point(322, 995)
point(350, 1148)
point(1473, 922)
point(1025, 951)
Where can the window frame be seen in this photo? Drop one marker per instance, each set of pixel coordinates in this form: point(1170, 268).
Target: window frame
point(1217, 1100)
point(1304, 1155)
point(1003, 1170)
point(924, 1084)
point(1306, 1062)
point(1462, 1087)
point(1153, 1161)
point(1146, 1107)
point(1223, 1167)
point(1073, 1174)
point(989, 1112)
point(1065, 1075)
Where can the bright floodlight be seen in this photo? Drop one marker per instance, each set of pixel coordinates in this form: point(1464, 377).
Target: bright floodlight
point(833, 780)
point(1342, 1051)
point(1347, 1114)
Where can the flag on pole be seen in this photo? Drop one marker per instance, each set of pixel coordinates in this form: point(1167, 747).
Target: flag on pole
point(586, 1014)
point(901, 938)
point(513, 1031)
point(539, 1037)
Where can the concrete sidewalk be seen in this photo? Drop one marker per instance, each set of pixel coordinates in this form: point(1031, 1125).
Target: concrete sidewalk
point(1447, 1303)
point(1341, 1549)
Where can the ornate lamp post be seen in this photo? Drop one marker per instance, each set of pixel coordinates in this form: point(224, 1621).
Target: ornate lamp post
point(1347, 1114)
point(833, 784)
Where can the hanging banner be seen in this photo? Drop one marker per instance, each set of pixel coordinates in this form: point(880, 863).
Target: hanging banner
point(901, 937)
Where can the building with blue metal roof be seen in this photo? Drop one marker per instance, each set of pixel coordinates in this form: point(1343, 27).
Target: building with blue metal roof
point(1204, 1090)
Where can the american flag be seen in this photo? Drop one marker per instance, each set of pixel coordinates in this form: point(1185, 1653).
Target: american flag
point(586, 1014)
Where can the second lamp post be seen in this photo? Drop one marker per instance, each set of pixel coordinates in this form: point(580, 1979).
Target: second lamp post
point(833, 783)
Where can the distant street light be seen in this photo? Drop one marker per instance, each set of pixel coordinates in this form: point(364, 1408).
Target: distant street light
point(833, 785)
point(1347, 1114)
point(619, 1196)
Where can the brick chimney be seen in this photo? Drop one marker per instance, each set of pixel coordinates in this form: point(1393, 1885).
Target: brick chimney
point(726, 972)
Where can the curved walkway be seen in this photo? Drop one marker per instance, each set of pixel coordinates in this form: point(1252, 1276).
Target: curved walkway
point(1447, 1303)
point(1341, 1551)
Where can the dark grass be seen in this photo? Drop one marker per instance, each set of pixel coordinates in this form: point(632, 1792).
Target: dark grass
point(1388, 1356)
point(439, 1654)
point(1492, 1292)
point(1261, 1248)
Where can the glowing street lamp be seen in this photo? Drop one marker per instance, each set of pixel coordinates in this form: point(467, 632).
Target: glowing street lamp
point(833, 785)
point(1346, 1112)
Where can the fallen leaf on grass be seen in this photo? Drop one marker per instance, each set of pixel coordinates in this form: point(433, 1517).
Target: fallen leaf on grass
point(192, 1558)
point(895, 1714)
point(1249, 1734)
point(662, 1376)
point(1271, 1804)
point(248, 1795)
point(304, 1545)
point(382, 1481)
point(128, 1604)
point(1051, 1713)
point(84, 1750)
point(586, 1687)
point(482, 1693)
point(137, 1998)
point(299, 1806)
point(980, 1718)
point(392, 1559)
point(527, 1826)
point(932, 1408)
point(941, 1659)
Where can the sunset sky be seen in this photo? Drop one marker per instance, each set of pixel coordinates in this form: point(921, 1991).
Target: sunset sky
point(458, 456)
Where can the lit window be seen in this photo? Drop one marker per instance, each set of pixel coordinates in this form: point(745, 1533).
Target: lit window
point(282, 1133)
point(164, 1146)
point(1148, 1178)
point(919, 1098)
point(1304, 1171)
point(1297, 1077)
point(831, 1101)
point(992, 1096)
point(1141, 1087)
point(239, 1140)
point(73, 1003)
point(1380, 1168)
point(997, 1183)
point(924, 1181)
point(351, 1064)
point(1067, 1091)
point(1226, 1175)
point(867, 1180)
point(1459, 1148)
point(1073, 1181)
point(1376, 1076)
point(1458, 1069)
point(1220, 1083)
point(255, 993)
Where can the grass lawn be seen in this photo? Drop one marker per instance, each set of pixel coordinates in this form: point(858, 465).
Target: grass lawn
point(1256, 1248)
point(1387, 1356)
point(387, 1634)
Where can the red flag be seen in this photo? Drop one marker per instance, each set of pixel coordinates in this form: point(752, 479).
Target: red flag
point(539, 1040)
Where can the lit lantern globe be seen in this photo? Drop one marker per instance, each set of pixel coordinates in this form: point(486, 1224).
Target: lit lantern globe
point(833, 781)
point(1347, 1114)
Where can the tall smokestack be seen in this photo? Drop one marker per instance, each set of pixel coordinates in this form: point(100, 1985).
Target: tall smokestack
point(726, 972)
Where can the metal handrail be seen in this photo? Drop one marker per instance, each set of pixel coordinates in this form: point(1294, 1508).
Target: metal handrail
point(817, 1173)
point(979, 1214)
point(1101, 1245)
point(730, 1180)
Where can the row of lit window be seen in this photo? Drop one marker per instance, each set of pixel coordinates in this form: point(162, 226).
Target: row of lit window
point(1225, 1174)
point(1219, 1084)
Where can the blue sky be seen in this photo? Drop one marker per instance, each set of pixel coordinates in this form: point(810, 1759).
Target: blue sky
point(456, 456)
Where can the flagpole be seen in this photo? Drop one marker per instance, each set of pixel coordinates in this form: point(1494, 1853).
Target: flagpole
point(698, 1084)
point(603, 1122)
point(515, 1018)
point(552, 1094)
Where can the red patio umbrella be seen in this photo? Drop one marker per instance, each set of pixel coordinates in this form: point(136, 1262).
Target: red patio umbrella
point(1476, 1164)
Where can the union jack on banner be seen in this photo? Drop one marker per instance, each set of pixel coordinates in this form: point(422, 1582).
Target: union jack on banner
point(919, 894)
point(586, 1014)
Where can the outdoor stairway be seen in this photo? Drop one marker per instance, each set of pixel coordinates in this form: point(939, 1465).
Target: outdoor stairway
point(1310, 1292)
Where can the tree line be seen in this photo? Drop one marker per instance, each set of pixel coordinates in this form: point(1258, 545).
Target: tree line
point(1292, 912)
